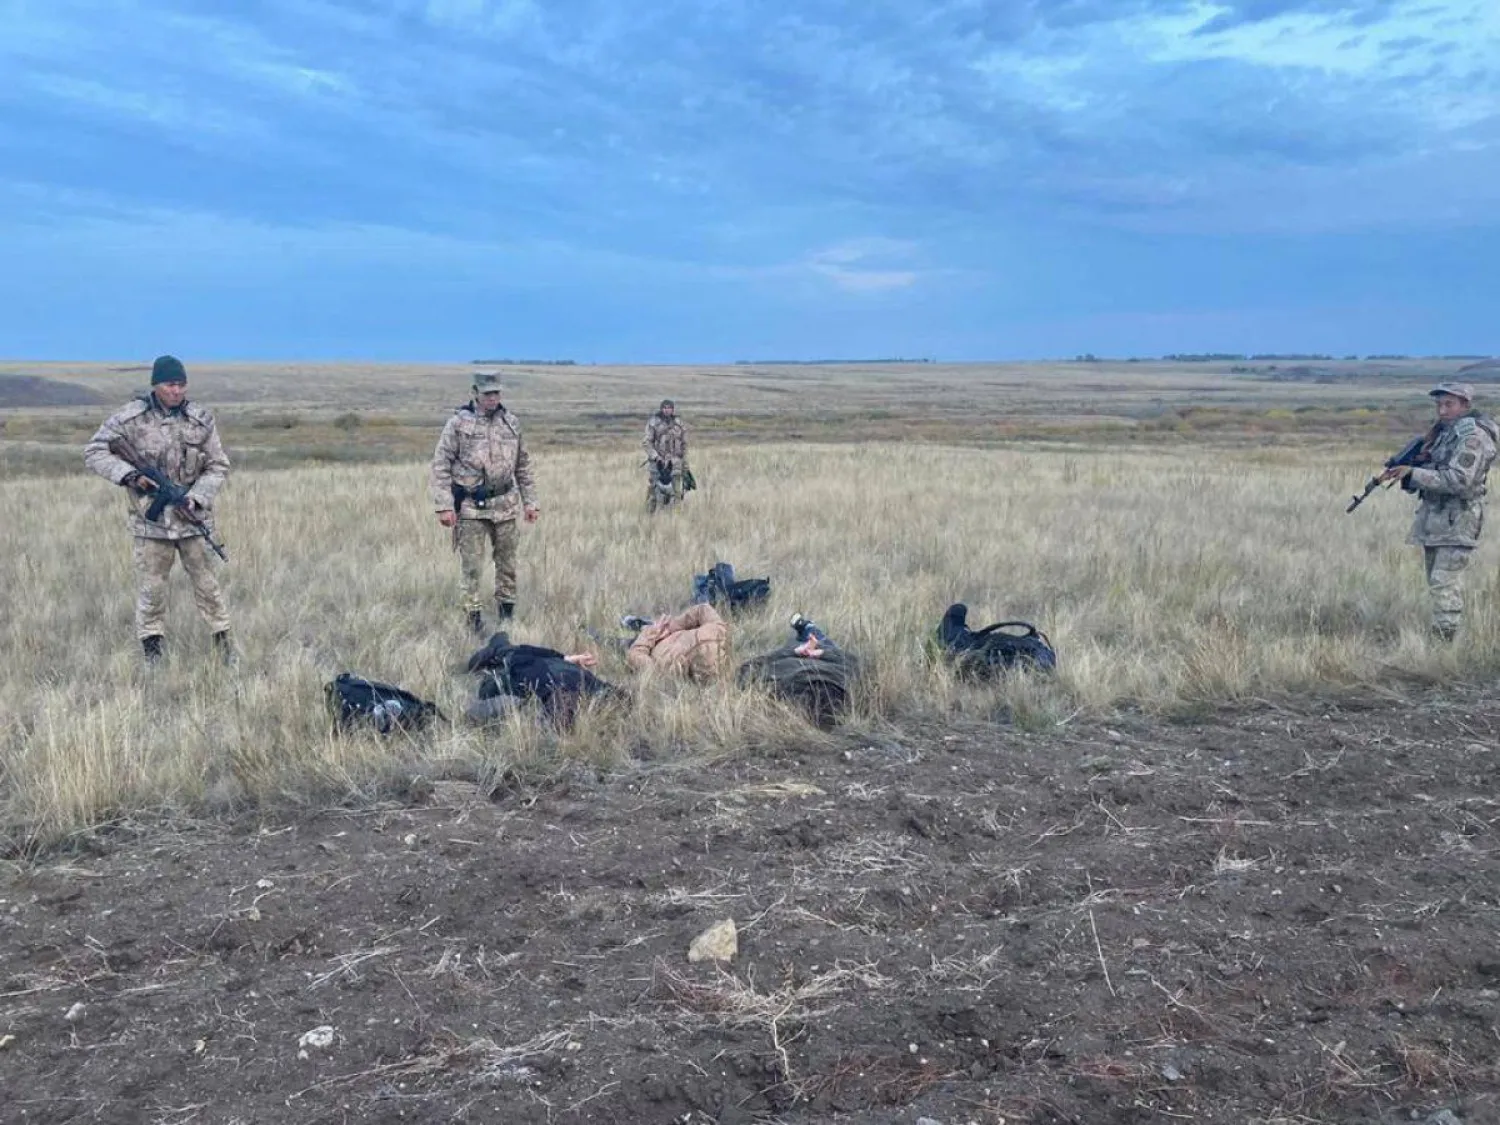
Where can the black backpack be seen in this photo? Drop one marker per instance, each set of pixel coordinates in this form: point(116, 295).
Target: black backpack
point(720, 589)
point(360, 703)
point(993, 650)
point(820, 687)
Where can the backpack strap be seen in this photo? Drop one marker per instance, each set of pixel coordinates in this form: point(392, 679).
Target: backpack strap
point(1031, 630)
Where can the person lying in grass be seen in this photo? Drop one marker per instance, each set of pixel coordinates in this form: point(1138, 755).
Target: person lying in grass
point(693, 644)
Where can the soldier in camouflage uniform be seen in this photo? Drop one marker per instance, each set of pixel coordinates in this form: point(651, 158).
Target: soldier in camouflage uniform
point(1460, 449)
point(665, 444)
point(166, 431)
point(481, 481)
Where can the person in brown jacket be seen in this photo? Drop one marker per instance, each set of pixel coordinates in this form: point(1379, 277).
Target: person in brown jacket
point(481, 481)
point(694, 644)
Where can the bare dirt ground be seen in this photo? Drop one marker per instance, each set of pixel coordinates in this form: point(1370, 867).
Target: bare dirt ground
point(1285, 912)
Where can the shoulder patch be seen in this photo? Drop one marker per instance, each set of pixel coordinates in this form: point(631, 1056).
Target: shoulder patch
point(1467, 458)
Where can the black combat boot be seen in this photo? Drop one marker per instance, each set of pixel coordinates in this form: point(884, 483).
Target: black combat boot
point(224, 649)
point(151, 648)
point(505, 611)
point(476, 622)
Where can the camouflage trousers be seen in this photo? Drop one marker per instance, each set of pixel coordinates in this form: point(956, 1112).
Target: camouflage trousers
point(154, 559)
point(499, 538)
point(1445, 584)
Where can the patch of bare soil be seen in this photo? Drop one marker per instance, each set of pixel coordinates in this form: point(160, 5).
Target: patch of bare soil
point(1279, 913)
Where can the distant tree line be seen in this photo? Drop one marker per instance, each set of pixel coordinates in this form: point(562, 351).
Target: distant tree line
point(1215, 357)
point(819, 362)
point(525, 362)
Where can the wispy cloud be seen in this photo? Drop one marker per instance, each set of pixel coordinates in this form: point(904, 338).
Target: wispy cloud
point(874, 146)
point(866, 265)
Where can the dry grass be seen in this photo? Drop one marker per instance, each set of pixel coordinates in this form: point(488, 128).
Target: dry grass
point(1165, 576)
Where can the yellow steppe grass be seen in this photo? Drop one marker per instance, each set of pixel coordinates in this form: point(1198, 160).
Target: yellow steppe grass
point(1163, 577)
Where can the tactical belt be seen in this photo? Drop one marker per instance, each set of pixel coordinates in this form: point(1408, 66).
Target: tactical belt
point(482, 496)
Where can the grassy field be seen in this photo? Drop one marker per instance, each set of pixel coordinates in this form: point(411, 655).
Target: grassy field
point(1165, 577)
point(285, 415)
point(1193, 564)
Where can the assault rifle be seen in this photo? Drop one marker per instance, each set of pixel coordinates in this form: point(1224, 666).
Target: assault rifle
point(165, 494)
point(1413, 453)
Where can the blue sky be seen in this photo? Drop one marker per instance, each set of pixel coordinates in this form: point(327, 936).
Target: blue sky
point(705, 180)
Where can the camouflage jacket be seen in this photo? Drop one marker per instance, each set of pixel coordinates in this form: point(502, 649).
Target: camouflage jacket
point(475, 450)
point(183, 443)
point(666, 440)
point(1452, 484)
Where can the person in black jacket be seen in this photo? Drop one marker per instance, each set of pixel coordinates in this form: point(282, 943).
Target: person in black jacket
point(515, 673)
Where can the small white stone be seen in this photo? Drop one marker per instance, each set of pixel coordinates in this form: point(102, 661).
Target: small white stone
point(318, 1037)
point(720, 942)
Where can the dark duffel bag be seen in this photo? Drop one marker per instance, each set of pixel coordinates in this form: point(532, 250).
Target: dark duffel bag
point(357, 702)
point(995, 649)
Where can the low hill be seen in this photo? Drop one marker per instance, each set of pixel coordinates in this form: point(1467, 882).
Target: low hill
point(33, 390)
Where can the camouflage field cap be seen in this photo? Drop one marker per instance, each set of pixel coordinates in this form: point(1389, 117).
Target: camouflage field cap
point(1464, 391)
point(486, 382)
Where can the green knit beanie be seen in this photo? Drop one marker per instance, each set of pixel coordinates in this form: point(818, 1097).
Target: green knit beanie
point(168, 369)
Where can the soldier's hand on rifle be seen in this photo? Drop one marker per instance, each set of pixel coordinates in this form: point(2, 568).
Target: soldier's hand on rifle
point(140, 482)
point(1396, 472)
point(532, 512)
point(448, 518)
